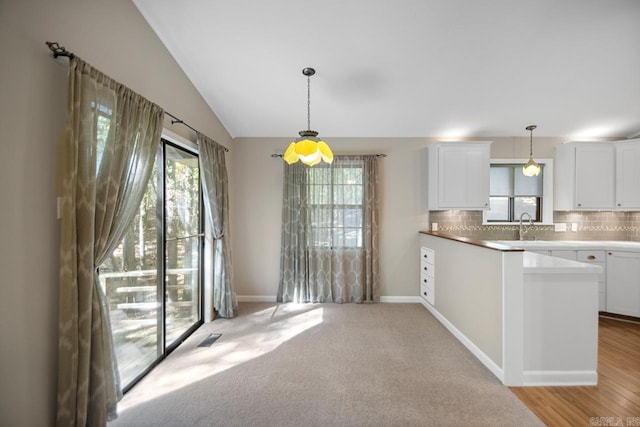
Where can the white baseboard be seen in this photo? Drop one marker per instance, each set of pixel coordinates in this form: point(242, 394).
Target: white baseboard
point(256, 298)
point(272, 298)
point(474, 349)
point(560, 378)
point(400, 299)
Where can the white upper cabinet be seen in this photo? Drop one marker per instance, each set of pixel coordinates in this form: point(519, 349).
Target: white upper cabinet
point(594, 176)
point(459, 175)
point(597, 176)
point(628, 175)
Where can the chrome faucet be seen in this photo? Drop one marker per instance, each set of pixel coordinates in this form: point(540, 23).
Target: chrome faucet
point(523, 229)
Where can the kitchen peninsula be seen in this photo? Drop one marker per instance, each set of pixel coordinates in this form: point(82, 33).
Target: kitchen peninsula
point(531, 319)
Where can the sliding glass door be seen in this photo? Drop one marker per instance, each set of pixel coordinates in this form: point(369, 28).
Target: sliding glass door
point(183, 242)
point(152, 280)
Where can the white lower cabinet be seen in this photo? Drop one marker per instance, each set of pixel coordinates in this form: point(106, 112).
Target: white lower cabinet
point(619, 281)
point(623, 283)
point(597, 258)
point(590, 257)
point(427, 275)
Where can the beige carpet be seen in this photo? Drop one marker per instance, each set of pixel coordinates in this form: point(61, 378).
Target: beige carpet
point(323, 365)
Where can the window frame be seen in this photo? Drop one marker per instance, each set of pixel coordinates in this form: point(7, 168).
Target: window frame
point(340, 207)
point(547, 191)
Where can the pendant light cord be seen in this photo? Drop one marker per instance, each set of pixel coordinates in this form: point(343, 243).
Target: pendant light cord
point(530, 128)
point(308, 102)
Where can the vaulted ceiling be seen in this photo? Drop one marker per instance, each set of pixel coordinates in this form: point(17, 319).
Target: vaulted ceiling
point(410, 68)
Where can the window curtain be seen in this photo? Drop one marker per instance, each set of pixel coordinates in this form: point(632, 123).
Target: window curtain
point(106, 156)
point(215, 186)
point(329, 249)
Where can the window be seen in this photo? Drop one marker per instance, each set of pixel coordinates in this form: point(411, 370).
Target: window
point(329, 244)
point(512, 194)
point(335, 195)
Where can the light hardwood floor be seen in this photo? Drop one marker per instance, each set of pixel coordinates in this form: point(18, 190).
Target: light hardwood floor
point(617, 394)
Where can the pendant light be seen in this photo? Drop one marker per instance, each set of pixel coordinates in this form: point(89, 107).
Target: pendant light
point(309, 149)
point(531, 168)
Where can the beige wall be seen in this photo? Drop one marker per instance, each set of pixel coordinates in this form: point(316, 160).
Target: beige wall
point(114, 37)
point(258, 202)
point(470, 298)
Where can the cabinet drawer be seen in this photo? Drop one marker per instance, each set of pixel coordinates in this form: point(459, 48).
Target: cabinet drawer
point(428, 294)
point(427, 268)
point(427, 255)
point(590, 256)
point(426, 280)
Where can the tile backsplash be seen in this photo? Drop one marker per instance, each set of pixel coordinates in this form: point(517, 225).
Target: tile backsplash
point(634, 224)
point(591, 226)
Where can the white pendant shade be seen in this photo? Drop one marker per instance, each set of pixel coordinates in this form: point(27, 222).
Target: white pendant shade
point(531, 168)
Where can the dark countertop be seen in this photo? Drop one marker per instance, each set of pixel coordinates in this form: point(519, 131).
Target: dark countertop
point(482, 243)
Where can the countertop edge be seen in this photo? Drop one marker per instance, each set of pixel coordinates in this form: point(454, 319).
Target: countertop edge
point(481, 243)
point(534, 263)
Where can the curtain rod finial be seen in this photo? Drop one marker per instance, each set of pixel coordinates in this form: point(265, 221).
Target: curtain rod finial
point(59, 50)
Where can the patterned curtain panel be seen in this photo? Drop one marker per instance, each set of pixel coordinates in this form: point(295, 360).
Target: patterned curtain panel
point(105, 160)
point(215, 186)
point(329, 247)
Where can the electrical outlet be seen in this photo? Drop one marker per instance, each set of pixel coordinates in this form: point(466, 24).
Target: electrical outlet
point(434, 226)
point(560, 227)
point(574, 226)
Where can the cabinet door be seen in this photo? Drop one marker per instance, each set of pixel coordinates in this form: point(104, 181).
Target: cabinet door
point(594, 176)
point(628, 174)
point(463, 176)
point(596, 257)
point(623, 283)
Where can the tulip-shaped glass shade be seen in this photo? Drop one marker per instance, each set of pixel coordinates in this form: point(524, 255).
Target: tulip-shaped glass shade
point(308, 149)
